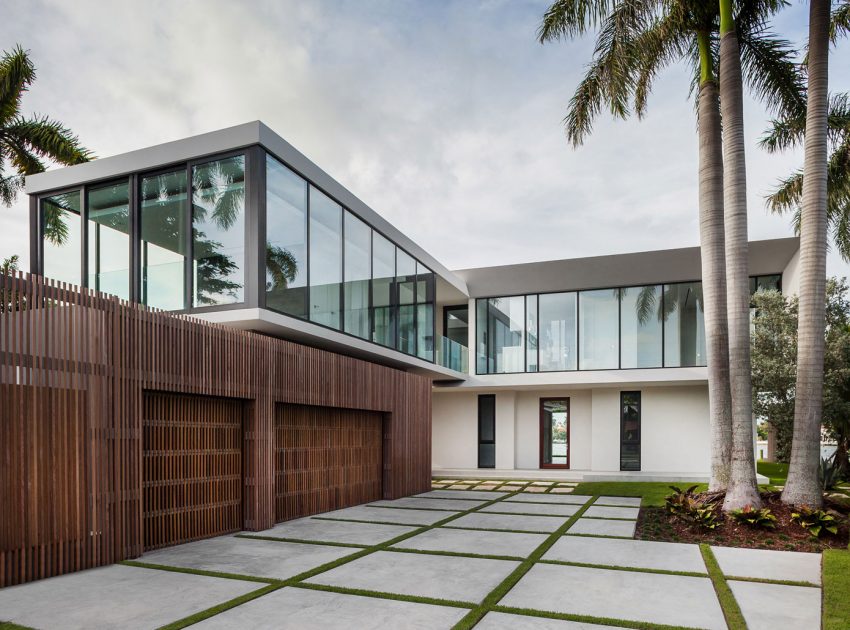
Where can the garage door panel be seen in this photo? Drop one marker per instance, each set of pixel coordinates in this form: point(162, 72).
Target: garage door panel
point(326, 459)
point(192, 466)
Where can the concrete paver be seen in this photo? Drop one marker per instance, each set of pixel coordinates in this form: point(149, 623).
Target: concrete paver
point(514, 522)
point(643, 554)
point(618, 501)
point(387, 515)
point(573, 499)
point(429, 504)
point(336, 531)
point(477, 542)
point(547, 509)
point(423, 575)
point(769, 564)
point(777, 606)
point(504, 621)
point(603, 527)
point(481, 495)
point(602, 511)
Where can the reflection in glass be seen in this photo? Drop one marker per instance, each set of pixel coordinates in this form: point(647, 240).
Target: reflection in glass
point(357, 272)
point(506, 327)
point(457, 324)
point(557, 332)
point(325, 258)
point(109, 239)
point(531, 333)
point(286, 236)
point(640, 327)
point(487, 431)
point(684, 325)
point(766, 283)
point(383, 278)
point(62, 232)
point(406, 287)
point(425, 296)
point(164, 232)
point(483, 361)
point(599, 313)
point(630, 431)
point(218, 231)
point(554, 417)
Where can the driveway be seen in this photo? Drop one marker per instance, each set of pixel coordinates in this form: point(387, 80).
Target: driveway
point(519, 560)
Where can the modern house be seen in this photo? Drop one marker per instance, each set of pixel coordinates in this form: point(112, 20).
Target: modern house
point(582, 368)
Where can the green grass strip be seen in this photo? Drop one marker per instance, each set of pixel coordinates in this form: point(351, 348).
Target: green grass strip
point(191, 571)
point(731, 610)
point(417, 599)
point(355, 520)
point(454, 554)
point(8, 625)
point(836, 589)
point(510, 531)
point(602, 621)
point(297, 580)
point(421, 509)
point(494, 597)
point(301, 541)
point(741, 578)
point(589, 565)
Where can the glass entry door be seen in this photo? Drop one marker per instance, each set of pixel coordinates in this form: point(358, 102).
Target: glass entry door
point(554, 432)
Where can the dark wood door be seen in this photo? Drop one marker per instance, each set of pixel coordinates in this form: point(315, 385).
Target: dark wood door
point(326, 459)
point(192, 476)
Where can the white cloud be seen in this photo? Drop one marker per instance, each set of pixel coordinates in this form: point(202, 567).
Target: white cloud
point(444, 117)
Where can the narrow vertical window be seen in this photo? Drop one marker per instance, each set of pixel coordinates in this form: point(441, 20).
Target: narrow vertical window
point(531, 340)
point(109, 239)
point(218, 231)
point(325, 259)
point(487, 431)
point(61, 231)
point(630, 431)
point(357, 272)
point(554, 432)
point(383, 281)
point(164, 216)
point(406, 290)
point(425, 296)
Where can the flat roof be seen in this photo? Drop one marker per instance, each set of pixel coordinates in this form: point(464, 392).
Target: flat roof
point(229, 139)
point(595, 272)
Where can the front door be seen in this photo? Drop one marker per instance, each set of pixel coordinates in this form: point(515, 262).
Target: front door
point(554, 432)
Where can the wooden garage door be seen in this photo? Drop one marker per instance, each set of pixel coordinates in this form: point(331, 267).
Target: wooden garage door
point(326, 459)
point(192, 457)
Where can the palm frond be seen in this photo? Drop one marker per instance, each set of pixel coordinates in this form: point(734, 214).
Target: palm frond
point(790, 131)
point(770, 70)
point(16, 74)
point(10, 186)
point(47, 138)
point(568, 18)
point(839, 24)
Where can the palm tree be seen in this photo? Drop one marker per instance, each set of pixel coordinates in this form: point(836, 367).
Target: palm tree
point(638, 38)
point(25, 142)
point(743, 488)
point(802, 485)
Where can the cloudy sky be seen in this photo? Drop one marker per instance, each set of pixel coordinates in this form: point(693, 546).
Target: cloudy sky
point(445, 117)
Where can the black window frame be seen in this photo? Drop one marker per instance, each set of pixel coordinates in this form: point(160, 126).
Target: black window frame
point(491, 398)
point(623, 441)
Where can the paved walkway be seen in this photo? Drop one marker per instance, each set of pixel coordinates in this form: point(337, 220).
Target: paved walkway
point(519, 560)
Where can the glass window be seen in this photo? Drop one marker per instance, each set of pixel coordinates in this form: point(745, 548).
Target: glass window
point(554, 432)
point(487, 431)
point(218, 231)
point(286, 240)
point(629, 430)
point(506, 334)
point(599, 313)
point(62, 229)
point(766, 283)
point(357, 272)
point(557, 332)
point(456, 325)
point(109, 239)
point(640, 327)
point(325, 258)
point(406, 287)
point(483, 362)
point(164, 217)
point(531, 333)
point(425, 295)
point(383, 278)
point(684, 325)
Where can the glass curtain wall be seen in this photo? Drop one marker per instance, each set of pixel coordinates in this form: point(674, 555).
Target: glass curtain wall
point(557, 332)
point(383, 278)
point(531, 339)
point(62, 233)
point(506, 343)
point(218, 231)
point(357, 272)
point(286, 240)
point(325, 259)
point(426, 281)
point(406, 291)
point(684, 325)
point(164, 239)
point(109, 239)
point(599, 313)
point(641, 323)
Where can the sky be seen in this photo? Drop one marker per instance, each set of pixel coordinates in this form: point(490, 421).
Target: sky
point(445, 117)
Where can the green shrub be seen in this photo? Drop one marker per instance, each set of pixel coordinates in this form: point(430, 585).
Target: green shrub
point(685, 505)
point(681, 501)
point(815, 521)
point(748, 515)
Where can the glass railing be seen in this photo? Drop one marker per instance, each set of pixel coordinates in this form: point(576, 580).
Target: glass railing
point(453, 355)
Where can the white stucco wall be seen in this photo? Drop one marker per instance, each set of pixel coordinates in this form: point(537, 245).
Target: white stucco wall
point(674, 423)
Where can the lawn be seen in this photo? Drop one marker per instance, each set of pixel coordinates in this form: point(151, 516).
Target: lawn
point(836, 586)
point(776, 472)
point(653, 493)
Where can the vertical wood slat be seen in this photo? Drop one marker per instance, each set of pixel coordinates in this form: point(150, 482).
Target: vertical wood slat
point(79, 372)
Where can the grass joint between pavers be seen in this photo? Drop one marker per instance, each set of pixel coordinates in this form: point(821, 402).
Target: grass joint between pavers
point(728, 604)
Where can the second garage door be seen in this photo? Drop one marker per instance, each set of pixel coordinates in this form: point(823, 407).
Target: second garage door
point(326, 459)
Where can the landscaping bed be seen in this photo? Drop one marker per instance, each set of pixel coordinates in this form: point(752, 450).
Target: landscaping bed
point(655, 523)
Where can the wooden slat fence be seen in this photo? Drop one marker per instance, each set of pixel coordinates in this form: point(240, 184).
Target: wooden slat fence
point(75, 369)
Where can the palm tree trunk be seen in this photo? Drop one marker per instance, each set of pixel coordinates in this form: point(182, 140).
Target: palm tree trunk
point(712, 248)
point(803, 486)
point(743, 489)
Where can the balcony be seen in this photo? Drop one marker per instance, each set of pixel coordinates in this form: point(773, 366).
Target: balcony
point(452, 355)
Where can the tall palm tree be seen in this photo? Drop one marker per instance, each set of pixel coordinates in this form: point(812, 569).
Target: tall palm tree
point(743, 488)
point(802, 485)
point(25, 142)
point(638, 38)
